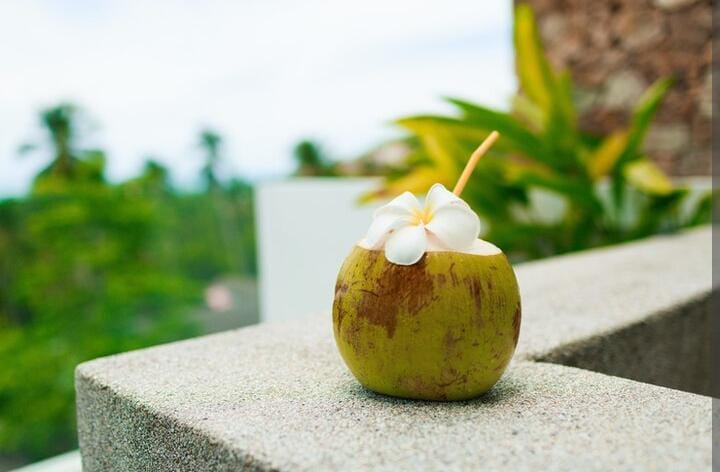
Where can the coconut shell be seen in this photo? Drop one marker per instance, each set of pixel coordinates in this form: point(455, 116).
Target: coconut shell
point(444, 328)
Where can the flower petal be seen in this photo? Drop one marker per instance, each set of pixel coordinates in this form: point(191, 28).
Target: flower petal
point(382, 225)
point(407, 245)
point(438, 196)
point(396, 214)
point(455, 225)
point(406, 203)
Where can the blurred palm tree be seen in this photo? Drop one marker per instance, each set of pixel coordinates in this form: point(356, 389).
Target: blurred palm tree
point(312, 161)
point(223, 202)
point(211, 143)
point(59, 123)
point(67, 161)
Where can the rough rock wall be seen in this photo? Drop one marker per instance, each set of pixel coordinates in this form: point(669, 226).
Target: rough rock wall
point(615, 49)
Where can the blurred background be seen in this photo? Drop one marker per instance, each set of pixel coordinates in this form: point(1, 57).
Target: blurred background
point(170, 169)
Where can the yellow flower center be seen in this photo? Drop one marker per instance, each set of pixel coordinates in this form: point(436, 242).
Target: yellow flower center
point(423, 216)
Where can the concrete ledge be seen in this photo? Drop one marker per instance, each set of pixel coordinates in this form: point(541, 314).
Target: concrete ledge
point(639, 310)
point(671, 348)
point(580, 296)
point(278, 396)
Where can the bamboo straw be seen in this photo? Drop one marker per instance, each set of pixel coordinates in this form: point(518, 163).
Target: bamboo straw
point(472, 162)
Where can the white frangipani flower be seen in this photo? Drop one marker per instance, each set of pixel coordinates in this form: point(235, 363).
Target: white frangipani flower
point(404, 225)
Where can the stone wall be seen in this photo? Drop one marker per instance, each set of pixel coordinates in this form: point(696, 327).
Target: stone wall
point(616, 49)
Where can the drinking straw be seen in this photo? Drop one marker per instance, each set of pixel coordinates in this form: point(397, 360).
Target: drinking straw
point(472, 162)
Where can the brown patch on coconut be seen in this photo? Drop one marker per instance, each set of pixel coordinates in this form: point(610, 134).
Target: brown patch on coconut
point(450, 376)
point(453, 275)
point(339, 312)
point(421, 389)
point(398, 288)
point(451, 339)
point(352, 335)
point(516, 324)
point(476, 290)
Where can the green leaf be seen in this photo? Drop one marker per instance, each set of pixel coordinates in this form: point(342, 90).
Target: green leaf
point(564, 101)
point(659, 213)
point(702, 213)
point(508, 127)
point(561, 129)
point(642, 117)
point(577, 192)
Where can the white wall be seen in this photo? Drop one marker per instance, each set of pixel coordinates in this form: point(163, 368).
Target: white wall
point(306, 227)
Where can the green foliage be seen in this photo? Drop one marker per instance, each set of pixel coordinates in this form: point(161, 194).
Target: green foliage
point(211, 233)
point(89, 268)
point(80, 280)
point(311, 161)
point(605, 189)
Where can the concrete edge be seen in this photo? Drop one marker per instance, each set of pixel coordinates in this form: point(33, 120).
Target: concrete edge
point(169, 436)
point(624, 245)
point(216, 453)
point(580, 343)
point(668, 348)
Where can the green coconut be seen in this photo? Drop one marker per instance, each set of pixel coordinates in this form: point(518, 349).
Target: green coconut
point(444, 328)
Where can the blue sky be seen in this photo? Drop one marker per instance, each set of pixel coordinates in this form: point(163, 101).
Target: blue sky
point(264, 73)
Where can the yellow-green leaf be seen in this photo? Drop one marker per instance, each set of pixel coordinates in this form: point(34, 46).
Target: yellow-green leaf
point(451, 128)
point(440, 143)
point(602, 160)
point(642, 117)
point(564, 101)
point(532, 67)
point(439, 148)
point(647, 177)
point(528, 112)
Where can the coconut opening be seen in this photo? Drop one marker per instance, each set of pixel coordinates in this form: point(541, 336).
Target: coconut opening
point(478, 248)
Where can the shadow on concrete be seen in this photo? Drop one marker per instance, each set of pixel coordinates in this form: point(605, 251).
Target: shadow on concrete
point(671, 349)
point(506, 388)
